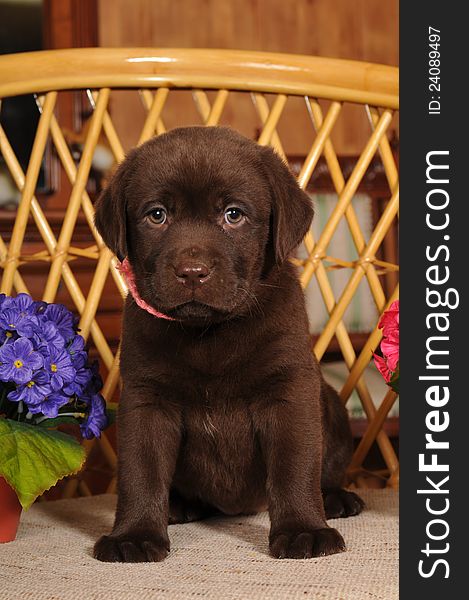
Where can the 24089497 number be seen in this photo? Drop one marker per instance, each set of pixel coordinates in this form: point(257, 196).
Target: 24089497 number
point(434, 105)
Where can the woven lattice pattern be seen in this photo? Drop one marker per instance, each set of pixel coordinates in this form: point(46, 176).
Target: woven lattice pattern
point(60, 251)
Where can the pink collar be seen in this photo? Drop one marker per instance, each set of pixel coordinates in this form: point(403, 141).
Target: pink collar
point(125, 270)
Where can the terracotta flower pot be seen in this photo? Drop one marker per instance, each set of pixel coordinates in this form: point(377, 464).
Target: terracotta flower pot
point(10, 512)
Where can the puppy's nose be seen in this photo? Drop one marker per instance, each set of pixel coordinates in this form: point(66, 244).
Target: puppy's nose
point(192, 273)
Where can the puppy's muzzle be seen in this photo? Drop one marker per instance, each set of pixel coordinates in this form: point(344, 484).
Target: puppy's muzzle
point(192, 273)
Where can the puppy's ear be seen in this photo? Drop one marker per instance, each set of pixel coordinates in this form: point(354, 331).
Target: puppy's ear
point(111, 210)
point(292, 209)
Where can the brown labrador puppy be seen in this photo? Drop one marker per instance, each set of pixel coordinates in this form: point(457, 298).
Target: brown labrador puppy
point(223, 408)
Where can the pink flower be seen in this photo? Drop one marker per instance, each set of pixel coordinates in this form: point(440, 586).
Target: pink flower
point(382, 367)
point(390, 350)
point(389, 322)
point(388, 364)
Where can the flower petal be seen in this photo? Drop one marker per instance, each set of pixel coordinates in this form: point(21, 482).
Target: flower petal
point(6, 371)
point(382, 367)
point(23, 347)
point(391, 353)
point(35, 360)
point(21, 375)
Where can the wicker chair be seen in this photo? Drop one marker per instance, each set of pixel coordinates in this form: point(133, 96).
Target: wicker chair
point(159, 75)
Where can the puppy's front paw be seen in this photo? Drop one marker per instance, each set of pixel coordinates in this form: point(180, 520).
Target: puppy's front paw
point(131, 548)
point(306, 544)
point(342, 503)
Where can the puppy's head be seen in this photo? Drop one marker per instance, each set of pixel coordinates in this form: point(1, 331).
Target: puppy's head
point(203, 214)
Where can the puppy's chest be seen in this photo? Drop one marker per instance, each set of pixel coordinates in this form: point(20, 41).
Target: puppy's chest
point(218, 439)
point(224, 423)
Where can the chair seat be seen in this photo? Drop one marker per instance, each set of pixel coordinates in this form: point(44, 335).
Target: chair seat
point(213, 559)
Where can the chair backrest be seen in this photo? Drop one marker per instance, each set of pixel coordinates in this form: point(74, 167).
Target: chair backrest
point(213, 77)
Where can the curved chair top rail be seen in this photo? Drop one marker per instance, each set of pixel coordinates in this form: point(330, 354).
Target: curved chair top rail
point(238, 70)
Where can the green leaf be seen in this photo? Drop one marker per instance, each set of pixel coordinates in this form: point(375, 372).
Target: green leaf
point(33, 459)
point(394, 381)
point(50, 423)
point(111, 412)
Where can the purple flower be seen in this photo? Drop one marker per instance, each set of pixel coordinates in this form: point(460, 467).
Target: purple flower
point(38, 307)
point(48, 334)
point(50, 405)
point(77, 352)
point(79, 360)
point(7, 336)
point(62, 319)
point(34, 391)
point(44, 364)
point(58, 364)
point(15, 320)
point(96, 420)
point(96, 383)
point(18, 360)
point(23, 303)
point(80, 382)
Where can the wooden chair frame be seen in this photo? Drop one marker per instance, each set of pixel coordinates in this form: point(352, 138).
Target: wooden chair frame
point(156, 73)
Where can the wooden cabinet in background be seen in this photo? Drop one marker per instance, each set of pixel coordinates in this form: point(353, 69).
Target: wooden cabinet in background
point(365, 30)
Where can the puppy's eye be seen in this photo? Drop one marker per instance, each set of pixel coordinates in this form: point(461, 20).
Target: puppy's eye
point(158, 215)
point(234, 216)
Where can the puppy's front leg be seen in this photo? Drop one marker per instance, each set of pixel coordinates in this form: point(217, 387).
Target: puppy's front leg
point(291, 444)
point(148, 443)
